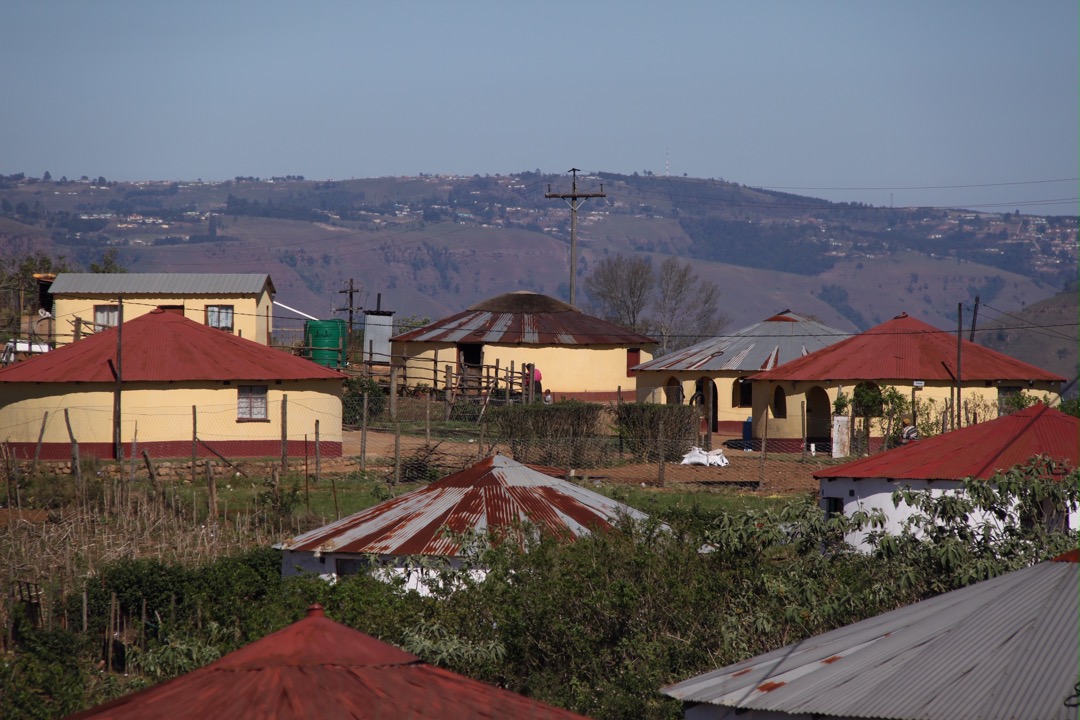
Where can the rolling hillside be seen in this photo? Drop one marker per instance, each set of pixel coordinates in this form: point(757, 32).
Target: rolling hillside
point(434, 245)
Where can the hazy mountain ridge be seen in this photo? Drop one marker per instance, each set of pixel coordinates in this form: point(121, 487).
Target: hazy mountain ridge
point(435, 244)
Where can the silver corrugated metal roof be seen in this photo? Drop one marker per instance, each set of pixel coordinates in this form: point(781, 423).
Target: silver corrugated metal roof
point(1002, 649)
point(495, 492)
point(160, 284)
point(784, 336)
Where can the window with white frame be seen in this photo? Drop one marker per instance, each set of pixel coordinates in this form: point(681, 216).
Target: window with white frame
point(106, 316)
point(251, 402)
point(220, 317)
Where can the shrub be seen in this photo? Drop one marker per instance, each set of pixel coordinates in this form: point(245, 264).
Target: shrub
point(647, 428)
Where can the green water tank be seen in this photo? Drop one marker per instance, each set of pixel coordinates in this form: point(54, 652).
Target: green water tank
point(325, 342)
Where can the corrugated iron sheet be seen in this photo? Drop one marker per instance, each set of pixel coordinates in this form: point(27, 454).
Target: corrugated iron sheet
point(543, 321)
point(317, 668)
point(906, 349)
point(1001, 649)
point(496, 493)
point(976, 451)
point(162, 346)
point(112, 284)
point(780, 338)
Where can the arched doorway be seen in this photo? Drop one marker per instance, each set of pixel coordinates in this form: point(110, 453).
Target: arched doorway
point(706, 385)
point(673, 392)
point(819, 419)
point(779, 402)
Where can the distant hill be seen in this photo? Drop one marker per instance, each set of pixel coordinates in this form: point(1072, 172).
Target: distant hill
point(432, 245)
point(1043, 334)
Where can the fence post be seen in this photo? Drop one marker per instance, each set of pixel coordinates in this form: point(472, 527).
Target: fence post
point(318, 455)
point(660, 451)
point(40, 439)
point(397, 453)
point(75, 464)
point(363, 435)
point(709, 414)
point(802, 414)
point(427, 417)
point(284, 433)
point(194, 440)
point(449, 390)
point(211, 491)
point(393, 392)
point(764, 446)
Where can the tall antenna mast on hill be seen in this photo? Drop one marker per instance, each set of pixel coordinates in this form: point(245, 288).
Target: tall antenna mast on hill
point(572, 199)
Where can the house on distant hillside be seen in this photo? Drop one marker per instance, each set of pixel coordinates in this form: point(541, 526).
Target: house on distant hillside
point(942, 463)
point(916, 359)
point(578, 355)
point(239, 304)
point(178, 380)
point(722, 366)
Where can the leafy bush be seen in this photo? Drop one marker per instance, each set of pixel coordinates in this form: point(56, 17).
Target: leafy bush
point(648, 428)
point(353, 400)
point(560, 435)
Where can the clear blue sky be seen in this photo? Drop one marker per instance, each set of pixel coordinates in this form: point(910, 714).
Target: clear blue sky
point(868, 98)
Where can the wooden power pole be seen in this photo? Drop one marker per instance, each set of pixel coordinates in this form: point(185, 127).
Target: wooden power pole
point(572, 199)
point(351, 291)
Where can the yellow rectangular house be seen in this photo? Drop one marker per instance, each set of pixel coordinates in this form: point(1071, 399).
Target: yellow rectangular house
point(240, 304)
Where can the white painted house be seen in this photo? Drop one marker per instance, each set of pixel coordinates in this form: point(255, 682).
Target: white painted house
point(942, 463)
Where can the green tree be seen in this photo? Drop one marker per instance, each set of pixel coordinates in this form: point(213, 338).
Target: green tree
point(110, 263)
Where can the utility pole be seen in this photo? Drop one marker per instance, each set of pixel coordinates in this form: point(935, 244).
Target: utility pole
point(351, 291)
point(572, 199)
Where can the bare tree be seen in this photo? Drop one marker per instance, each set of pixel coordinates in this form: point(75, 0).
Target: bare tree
point(621, 286)
point(687, 308)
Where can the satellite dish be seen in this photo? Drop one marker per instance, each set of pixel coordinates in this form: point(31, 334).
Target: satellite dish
point(43, 313)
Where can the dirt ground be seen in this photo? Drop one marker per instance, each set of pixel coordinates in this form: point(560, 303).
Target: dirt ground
point(779, 474)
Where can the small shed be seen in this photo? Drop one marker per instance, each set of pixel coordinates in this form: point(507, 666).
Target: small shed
point(578, 355)
point(1000, 649)
point(943, 462)
point(494, 495)
point(317, 668)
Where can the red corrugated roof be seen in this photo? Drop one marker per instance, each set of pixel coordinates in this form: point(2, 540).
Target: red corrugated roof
point(976, 451)
point(162, 346)
point(525, 318)
point(317, 668)
point(494, 494)
point(909, 349)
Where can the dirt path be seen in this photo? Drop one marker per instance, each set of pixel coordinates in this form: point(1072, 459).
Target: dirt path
point(780, 474)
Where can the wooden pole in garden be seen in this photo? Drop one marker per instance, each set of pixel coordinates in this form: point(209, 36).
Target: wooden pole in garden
point(284, 433)
point(194, 440)
point(363, 435)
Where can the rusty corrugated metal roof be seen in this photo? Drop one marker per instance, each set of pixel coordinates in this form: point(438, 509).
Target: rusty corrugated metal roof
point(162, 346)
point(1001, 649)
point(317, 668)
point(525, 318)
point(975, 451)
point(906, 349)
point(762, 346)
point(495, 493)
point(160, 284)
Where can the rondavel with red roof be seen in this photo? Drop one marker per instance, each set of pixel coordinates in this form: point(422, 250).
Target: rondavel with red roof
point(170, 386)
